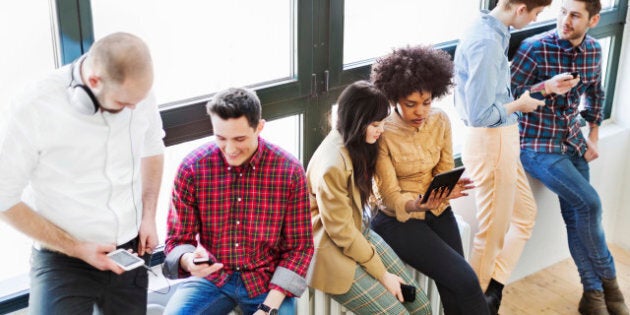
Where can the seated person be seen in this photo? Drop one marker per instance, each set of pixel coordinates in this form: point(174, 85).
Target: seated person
point(243, 203)
point(352, 263)
point(415, 146)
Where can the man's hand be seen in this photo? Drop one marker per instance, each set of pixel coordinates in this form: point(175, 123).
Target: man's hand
point(96, 255)
point(148, 237)
point(202, 270)
point(592, 151)
point(525, 103)
point(561, 83)
point(392, 282)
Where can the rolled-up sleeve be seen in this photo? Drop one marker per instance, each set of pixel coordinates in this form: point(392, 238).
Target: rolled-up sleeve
point(153, 143)
point(182, 224)
point(296, 247)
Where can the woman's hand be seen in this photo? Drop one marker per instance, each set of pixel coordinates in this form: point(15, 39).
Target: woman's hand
point(463, 184)
point(392, 282)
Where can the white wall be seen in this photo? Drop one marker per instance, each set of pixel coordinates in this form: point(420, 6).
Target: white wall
point(610, 174)
point(621, 115)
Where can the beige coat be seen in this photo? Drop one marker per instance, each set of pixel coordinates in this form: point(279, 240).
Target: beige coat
point(409, 158)
point(337, 218)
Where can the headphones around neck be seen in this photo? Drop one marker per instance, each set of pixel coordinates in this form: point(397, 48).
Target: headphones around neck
point(81, 96)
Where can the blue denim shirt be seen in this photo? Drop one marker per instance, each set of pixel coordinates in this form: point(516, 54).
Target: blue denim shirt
point(482, 75)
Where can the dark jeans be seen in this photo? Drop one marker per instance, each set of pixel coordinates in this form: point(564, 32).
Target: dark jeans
point(65, 285)
point(434, 247)
point(567, 175)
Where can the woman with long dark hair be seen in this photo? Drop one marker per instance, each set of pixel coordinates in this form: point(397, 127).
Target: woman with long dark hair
point(351, 262)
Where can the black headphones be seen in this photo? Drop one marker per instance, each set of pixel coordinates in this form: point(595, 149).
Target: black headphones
point(81, 96)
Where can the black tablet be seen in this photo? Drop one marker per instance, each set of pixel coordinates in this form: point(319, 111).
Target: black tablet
point(447, 180)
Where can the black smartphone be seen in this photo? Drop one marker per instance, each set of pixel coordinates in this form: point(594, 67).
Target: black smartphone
point(408, 292)
point(203, 260)
point(537, 95)
point(575, 74)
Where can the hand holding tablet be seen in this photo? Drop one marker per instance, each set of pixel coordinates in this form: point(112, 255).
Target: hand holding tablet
point(443, 183)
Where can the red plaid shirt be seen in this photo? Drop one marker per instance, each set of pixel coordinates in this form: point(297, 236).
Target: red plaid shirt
point(252, 218)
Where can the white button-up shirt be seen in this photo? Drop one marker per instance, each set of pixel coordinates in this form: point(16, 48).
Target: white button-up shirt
point(83, 170)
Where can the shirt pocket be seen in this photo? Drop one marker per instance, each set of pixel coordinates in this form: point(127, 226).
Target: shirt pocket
point(413, 163)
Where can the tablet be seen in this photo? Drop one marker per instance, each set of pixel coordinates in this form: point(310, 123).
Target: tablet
point(447, 179)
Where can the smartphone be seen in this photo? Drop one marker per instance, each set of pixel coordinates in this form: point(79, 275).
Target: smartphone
point(537, 95)
point(446, 180)
point(203, 260)
point(125, 259)
point(408, 292)
point(575, 74)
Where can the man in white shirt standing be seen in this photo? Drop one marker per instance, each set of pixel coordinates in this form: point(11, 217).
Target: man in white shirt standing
point(81, 163)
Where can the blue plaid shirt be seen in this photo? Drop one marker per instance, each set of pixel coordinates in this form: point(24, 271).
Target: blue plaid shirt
point(555, 127)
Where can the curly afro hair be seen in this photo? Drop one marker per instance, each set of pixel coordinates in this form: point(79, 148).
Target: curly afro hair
point(413, 69)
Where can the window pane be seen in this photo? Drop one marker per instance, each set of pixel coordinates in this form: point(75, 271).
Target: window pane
point(285, 132)
point(551, 12)
point(605, 43)
point(25, 27)
point(205, 46)
point(373, 27)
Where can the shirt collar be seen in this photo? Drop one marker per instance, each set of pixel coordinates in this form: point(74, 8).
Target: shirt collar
point(496, 25)
point(253, 162)
point(566, 45)
point(402, 124)
point(76, 70)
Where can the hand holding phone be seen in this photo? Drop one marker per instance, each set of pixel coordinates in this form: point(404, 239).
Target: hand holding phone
point(203, 260)
point(575, 74)
point(126, 260)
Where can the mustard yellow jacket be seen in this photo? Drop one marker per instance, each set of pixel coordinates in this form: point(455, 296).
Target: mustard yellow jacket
point(336, 214)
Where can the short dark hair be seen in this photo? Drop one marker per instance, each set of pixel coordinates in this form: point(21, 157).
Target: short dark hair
point(592, 6)
point(530, 4)
point(359, 105)
point(413, 69)
point(234, 103)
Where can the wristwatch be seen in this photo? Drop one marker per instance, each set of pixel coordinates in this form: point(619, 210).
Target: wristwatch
point(267, 309)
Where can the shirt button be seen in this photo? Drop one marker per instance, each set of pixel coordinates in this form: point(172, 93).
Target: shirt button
point(229, 168)
point(236, 245)
point(239, 199)
point(238, 222)
point(238, 268)
point(241, 174)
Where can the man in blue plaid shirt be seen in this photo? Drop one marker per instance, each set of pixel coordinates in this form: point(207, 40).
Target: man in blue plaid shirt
point(553, 148)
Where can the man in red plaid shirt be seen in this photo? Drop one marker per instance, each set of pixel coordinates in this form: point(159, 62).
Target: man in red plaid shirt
point(242, 203)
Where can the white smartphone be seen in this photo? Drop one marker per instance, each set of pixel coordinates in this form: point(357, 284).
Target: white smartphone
point(125, 259)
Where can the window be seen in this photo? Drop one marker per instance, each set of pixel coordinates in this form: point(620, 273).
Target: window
point(206, 46)
point(550, 13)
point(27, 27)
point(372, 28)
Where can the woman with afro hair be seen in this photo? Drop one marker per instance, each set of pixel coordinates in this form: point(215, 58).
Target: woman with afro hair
point(415, 146)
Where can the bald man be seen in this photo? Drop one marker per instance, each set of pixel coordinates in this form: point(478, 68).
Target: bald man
point(81, 163)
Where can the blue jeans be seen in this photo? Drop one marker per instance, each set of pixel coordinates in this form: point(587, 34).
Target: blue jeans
point(201, 296)
point(567, 175)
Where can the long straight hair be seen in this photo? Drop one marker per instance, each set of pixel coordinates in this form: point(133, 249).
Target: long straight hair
point(359, 105)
